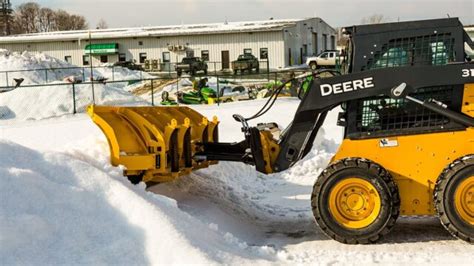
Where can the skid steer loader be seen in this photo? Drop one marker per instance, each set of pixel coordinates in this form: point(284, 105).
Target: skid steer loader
point(407, 95)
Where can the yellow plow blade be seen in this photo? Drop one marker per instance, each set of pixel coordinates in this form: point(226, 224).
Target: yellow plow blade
point(157, 143)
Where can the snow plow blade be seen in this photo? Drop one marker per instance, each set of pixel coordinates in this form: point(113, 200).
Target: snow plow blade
point(154, 144)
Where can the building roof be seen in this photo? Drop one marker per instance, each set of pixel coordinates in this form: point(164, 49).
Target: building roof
point(156, 31)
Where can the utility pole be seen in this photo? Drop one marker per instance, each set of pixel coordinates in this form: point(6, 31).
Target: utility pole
point(92, 68)
point(5, 17)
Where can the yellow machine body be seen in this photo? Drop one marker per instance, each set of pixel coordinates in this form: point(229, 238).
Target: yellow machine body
point(156, 142)
point(416, 161)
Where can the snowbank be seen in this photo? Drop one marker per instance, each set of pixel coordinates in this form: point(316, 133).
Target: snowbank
point(36, 103)
point(37, 68)
point(27, 61)
point(56, 209)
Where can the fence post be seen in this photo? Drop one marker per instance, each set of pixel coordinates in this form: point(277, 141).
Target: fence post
point(73, 98)
point(46, 75)
point(268, 69)
point(113, 73)
point(6, 76)
point(152, 94)
point(83, 75)
point(218, 91)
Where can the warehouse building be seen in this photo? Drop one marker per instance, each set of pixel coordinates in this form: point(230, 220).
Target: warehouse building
point(281, 43)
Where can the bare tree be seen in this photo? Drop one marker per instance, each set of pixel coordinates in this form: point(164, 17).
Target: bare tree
point(65, 21)
point(47, 19)
point(374, 19)
point(102, 24)
point(26, 17)
point(31, 17)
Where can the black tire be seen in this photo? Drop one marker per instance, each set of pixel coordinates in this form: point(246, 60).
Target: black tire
point(193, 72)
point(205, 71)
point(444, 198)
point(367, 171)
point(135, 179)
point(179, 73)
point(235, 71)
point(313, 66)
point(257, 70)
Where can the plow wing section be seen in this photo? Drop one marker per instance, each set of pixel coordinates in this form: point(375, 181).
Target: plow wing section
point(155, 143)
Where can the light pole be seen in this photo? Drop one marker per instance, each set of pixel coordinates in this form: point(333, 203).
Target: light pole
point(92, 69)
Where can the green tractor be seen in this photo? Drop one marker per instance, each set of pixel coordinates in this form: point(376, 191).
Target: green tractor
point(206, 95)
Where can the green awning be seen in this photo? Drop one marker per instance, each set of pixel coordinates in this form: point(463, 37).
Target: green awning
point(101, 48)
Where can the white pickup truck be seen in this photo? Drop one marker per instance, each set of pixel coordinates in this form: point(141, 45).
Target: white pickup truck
point(325, 59)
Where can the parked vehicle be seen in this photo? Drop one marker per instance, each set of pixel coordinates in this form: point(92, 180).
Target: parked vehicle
point(205, 96)
point(191, 65)
point(239, 93)
point(129, 64)
point(325, 59)
point(246, 62)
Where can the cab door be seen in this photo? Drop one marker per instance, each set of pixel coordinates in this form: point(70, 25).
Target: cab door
point(323, 59)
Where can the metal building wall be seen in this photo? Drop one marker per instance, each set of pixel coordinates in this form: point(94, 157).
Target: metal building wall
point(302, 34)
point(154, 47)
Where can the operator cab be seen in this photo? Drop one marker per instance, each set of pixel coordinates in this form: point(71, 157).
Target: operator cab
point(428, 42)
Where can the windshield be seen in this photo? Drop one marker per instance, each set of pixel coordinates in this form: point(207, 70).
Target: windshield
point(244, 57)
point(189, 59)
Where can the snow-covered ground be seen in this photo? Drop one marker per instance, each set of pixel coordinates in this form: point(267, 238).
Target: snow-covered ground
point(63, 203)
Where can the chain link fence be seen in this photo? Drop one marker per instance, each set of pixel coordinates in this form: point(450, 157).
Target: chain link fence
point(62, 96)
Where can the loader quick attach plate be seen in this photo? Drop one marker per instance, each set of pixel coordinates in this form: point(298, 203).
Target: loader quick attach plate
point(157, 143)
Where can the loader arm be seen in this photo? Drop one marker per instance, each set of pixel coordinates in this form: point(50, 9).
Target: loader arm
point(328, 93)
point(269, 155)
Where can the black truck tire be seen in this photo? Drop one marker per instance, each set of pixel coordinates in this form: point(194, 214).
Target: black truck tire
point(355, 201)
point(454, 198)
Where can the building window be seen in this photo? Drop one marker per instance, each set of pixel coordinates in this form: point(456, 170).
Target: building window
point(205, 55)
point(305, 50)
point(333, 42)
point(315, 43)
point(166, 57)
point(85, 60)
point(104, 59)
point(68, 59)
point(142, 58)
point(140, 43)
point(122, 58)
point(247, 51)
point(325, 42)
point(263, 53)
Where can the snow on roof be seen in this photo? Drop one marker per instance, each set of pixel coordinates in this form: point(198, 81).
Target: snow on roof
point(156, 31)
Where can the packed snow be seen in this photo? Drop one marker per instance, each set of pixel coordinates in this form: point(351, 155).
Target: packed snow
point(62, 203)
point(55, 97)
point(39, 68)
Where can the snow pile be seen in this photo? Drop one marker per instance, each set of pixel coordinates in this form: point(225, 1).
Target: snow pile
point(33, 103)
point(56, 209)
point(120, 73)
point(56, 100)
point(27, 61)
point(40, 68)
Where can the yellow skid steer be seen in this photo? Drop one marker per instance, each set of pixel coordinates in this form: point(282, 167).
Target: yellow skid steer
point(407, 94)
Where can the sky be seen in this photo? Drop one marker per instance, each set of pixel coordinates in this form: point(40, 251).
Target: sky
point(131, 13)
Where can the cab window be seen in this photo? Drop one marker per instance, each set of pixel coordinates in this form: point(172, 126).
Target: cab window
point(324, 55)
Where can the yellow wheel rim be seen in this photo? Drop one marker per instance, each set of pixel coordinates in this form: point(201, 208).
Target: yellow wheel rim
point(464, 200)
point(354, 203)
